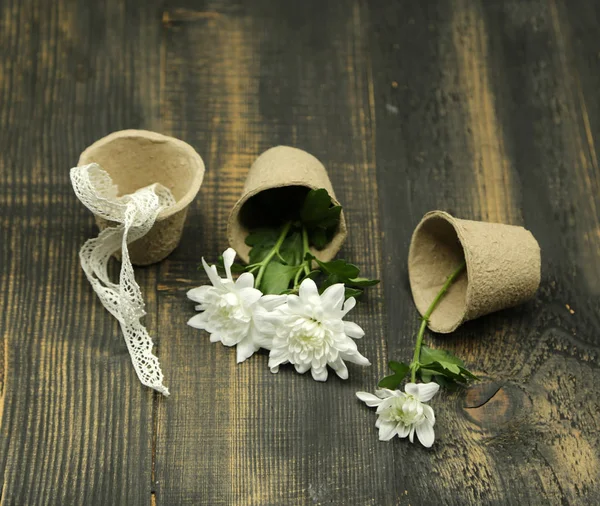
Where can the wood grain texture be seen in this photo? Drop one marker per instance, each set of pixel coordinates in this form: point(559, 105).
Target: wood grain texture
point(488, 110)
point(267, 439)
point(482, 136)
point(76, 426)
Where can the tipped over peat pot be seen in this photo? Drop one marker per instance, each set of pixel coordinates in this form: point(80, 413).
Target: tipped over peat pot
point(503, 266)
point(138, 158)
point(275, 188)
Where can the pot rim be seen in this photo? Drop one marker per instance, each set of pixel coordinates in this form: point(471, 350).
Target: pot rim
point(196, 182)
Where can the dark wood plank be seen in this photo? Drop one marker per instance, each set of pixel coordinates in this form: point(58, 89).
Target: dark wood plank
point(76, 425)
point(487, 109)
point(239, 80)
point(483, 110)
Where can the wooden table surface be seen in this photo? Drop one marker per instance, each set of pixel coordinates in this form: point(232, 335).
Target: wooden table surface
point(487, 109)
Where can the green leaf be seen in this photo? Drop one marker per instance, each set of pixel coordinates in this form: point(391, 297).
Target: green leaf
point(352, 292)
point(332, 217)
point(320, 217)
point(263, 237)
point(262, 241)
point(328, 281)
point(315, 207)
point(291, 250)
point(277, 277)
point(438, 370)
point(318, 238)
point(468, 374)
point(399, 367)
point(344, 270)
point(393, 381)
point(425, 375)
point(442, 363)
point(312, 275)
point(362, 282)
point(258, 254)
point(447, 359)
point(445, 382)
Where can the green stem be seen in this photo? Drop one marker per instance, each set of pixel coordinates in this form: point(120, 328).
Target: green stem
point(297, 278)
point(305, 250)
point(274, 251)
point(414, 365)
point(305, 265)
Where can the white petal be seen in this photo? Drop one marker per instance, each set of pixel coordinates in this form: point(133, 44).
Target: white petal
point(246, 280)
point(296, 306)
point(411, 434)
point(346, 346)
point(369, 399)
point(402, 430)
point(258, 337)
point(425, 434)
point(385, 406)
point(198, 321)
point(231, 339)
point(319, 374)
point(265, 323)
point(351, 329)
point(231, 298)
point(301, 368)
point(249, 296)
point(271, 302)
point(308, 289)
point(211, 272)
point(384, 393)
point(199, 293)
point(429, 414)
point(348, 306)
point(422, 391)
point(333, 297)
point(387, 430)
point(275, 361)
point(356, 358)
point(245, 349)
point(228, 258)
point(340, 368)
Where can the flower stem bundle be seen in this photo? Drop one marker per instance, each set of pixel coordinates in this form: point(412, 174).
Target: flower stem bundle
point(281, 257)
point(286, 300)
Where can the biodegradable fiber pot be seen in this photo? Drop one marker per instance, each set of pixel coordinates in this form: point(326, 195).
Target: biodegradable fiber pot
point(277, 184)
point(138, 158)
point(503, 268)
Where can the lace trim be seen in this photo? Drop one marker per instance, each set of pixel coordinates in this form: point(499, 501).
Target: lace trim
point(135, 215)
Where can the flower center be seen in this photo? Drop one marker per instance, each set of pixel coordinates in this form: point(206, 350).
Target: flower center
point(308, 333)
point(231, 308)
point(308, 340)
point(409, 411)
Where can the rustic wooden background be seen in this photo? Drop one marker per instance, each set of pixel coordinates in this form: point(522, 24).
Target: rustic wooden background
point(488, 109)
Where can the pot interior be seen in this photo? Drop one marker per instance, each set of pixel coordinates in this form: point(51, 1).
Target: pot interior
point(435, 253)
point(134, 162)
point(273, 207)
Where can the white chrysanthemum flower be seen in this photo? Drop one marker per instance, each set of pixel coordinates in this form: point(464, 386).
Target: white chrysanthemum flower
point(229, 306)
point(404, 413)
point(310, 334)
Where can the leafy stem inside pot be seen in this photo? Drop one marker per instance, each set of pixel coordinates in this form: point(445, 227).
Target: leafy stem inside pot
point(285, 223)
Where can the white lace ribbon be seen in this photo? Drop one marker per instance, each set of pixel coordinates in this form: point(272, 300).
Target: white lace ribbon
point(135, 214)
